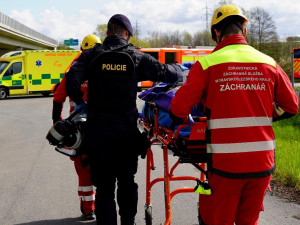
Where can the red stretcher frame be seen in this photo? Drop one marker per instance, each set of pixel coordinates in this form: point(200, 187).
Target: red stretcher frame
point(163, 135)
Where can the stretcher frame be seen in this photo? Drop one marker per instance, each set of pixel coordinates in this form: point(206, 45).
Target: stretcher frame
point(165, 136)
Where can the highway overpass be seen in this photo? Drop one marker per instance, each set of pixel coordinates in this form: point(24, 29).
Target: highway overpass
point(16, 36)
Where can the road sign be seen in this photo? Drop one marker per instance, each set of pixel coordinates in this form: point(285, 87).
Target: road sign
point(71, 42)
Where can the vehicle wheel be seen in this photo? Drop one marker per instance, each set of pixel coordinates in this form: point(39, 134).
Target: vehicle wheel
point(148, 215)
point(3, 93)
point(46, 94)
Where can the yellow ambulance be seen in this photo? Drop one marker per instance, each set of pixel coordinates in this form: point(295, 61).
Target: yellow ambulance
point(33, 71)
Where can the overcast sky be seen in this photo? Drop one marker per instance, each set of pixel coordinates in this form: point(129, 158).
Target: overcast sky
point(64, 19)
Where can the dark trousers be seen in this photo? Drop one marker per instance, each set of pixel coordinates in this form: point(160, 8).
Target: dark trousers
point(106, 172)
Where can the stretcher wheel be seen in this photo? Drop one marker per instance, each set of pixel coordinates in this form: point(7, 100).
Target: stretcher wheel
point(148, 215)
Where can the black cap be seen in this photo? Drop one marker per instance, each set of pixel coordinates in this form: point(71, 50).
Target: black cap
point(122, 21)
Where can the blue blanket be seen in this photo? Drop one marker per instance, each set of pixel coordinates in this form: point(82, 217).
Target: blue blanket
point(164, 120)
point(161, 95)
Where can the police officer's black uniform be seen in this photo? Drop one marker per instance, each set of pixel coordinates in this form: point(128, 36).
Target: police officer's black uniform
point(112, 131)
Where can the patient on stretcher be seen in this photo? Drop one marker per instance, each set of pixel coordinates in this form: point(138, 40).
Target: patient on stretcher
point(190, 144)
point(160, 97)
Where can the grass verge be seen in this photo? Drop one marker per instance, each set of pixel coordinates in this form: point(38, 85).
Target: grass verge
point(287, 153)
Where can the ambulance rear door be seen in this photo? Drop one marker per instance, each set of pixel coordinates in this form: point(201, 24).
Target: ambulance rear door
point(46, 69)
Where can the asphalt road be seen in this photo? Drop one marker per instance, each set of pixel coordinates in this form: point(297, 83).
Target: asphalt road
point(39, 185)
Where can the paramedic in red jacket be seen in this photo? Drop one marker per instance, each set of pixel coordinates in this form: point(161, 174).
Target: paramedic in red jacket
point(239, 88)
point(85, 187)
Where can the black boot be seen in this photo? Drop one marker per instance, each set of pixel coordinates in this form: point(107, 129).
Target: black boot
point(127, 221)
point(90, 216)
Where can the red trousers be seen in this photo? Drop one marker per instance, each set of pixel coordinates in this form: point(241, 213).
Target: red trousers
point(85, 187)
point(232, 201)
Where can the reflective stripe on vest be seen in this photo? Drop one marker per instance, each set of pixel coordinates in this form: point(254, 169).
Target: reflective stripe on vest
point(241, 147)
point(239, 122)
point(85, 188)
point(87, 198)
point(236, 55)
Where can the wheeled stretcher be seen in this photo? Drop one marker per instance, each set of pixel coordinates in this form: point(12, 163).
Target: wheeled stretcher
point(189, 148)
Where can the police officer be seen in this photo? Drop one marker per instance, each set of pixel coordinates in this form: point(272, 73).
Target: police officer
point(113, 139)
point(239, 87)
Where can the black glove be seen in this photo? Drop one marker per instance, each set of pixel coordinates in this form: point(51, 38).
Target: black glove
point(175, 120)
point(143, 144)
point(56, 111)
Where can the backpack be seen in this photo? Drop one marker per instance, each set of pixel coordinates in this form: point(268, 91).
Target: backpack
point(112, 81)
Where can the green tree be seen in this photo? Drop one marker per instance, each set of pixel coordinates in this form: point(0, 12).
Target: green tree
point(138, 43)
point(187, 39)
point(293, 39)
point(101, 31)
point(64, 47)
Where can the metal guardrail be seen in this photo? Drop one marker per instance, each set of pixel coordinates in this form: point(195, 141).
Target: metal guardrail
point(11, 24)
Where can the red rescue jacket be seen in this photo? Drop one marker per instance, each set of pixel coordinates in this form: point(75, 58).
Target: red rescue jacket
point(60, 96)
point(237, 86)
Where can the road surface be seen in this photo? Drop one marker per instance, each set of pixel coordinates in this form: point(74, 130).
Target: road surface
point(39, 185)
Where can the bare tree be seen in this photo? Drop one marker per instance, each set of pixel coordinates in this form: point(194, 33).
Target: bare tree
point(187, 38)
point(262, 28)
point(154, 39)
point(225, 2)
point(202, 38)
point(164, 40)
point(175, 38)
